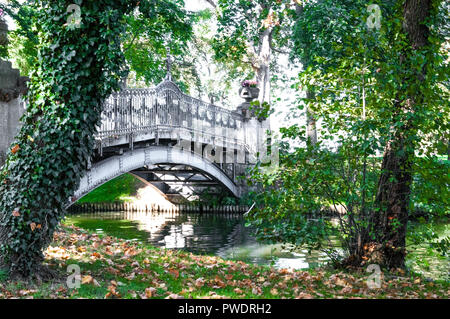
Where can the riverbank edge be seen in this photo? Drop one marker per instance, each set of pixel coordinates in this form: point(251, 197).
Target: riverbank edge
point(111, 267)
point(109, 207)
point(120, 194)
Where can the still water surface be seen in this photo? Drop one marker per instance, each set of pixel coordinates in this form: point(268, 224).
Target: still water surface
point(226, 236)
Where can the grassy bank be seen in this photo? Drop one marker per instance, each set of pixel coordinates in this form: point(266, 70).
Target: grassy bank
point(120, 189)
point(117, 268)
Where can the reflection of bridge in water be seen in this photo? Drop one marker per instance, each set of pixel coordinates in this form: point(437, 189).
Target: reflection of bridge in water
point(220, 234)
point(181, 145)
point(200, 233)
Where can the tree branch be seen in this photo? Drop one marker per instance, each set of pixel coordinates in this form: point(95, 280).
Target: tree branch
point(277, 50)
point(212, 3)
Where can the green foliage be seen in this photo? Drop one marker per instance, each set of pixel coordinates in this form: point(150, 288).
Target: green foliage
point(250, 34)
point(23, 41)
point(210, 78)
point(145, 41)
point(431, 191)
point(3, 51)
point(148, 39)
point(311, 182)
point(263, 111)
point(424, 232)
point(361, 86)
point(77, 69)
point(242, 22)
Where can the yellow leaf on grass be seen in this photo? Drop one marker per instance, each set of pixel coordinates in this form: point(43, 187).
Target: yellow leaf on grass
point(238, 291)
point(256, 291)
point(81, 249)
point(175, 272)
point(199, 282)
point(340, 282)
point(150, 292)
point(304, 295)
point(87, 279)
point(130, 252)
point(96, 255)
point(112, 292)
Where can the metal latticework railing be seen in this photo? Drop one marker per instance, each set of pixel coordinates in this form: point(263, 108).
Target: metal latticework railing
point(166, 108)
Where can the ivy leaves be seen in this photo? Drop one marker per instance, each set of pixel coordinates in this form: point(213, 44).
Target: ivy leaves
point(76, 70)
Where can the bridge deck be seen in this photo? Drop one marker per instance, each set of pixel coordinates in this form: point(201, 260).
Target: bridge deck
point(164, 112)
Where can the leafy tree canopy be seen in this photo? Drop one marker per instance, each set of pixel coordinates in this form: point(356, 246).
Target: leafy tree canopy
point(383, 104)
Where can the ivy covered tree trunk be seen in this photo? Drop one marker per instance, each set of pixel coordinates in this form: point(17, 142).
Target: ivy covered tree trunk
point(79, 66)
point(394, 187)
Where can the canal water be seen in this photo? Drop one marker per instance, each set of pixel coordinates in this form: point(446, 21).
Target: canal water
point(226, 236)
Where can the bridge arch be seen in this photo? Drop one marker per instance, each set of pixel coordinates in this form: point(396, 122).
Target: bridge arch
point(112, 167)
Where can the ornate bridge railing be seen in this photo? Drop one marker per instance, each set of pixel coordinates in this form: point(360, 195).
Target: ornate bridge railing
point(165, 110)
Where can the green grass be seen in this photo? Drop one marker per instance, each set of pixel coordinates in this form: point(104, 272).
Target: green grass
point(3, 275)
point(121, 189)
point(129, 269)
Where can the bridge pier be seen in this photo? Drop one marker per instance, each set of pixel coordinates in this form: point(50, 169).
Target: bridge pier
point(12, 107)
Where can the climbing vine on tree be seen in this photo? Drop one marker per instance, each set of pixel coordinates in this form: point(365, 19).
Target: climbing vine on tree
point(79, 65)
point(382, 96)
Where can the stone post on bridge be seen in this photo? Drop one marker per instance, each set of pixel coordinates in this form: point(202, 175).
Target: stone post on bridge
point(256, 129)
point(12, 88)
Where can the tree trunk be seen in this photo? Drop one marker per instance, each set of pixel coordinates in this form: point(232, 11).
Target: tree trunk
point(263, 70)
point(311, 130)
point(394, 186)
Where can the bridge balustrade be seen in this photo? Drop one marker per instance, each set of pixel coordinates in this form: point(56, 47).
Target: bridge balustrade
point(165, 109)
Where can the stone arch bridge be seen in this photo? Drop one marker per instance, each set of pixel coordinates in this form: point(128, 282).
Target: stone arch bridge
point(181, 145)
